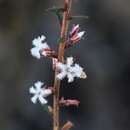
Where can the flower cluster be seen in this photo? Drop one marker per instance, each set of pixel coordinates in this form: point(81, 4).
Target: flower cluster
point(62, 68)
point(70, 70)
point(74, 36)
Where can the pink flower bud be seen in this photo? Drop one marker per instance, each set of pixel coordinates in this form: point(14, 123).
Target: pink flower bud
point(69, 102)
point(74, 36)
point(75, 30)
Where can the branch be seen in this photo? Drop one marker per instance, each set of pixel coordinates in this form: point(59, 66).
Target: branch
point(64, 29)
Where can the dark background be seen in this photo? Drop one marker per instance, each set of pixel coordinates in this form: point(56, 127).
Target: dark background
point(104, 53)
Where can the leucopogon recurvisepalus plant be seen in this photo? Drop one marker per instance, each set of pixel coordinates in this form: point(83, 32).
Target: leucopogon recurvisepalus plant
point(63, 68)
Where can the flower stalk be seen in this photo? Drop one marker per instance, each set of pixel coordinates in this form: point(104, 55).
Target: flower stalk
point(63, 68)
point(63, 37)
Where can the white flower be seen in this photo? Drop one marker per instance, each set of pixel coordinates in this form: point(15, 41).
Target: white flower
point(39, 46)
point(70, 70)
point(75, 35)
point(39, 93)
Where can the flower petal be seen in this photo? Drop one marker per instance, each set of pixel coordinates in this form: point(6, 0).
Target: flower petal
point(75, 29)
point(42, 100)
point(38, 85)
point(80, 34)
point(34, 99)
point(46, 92)
point(61, 75)
point(32, 90)
point(69, 61)
point(60, 66)
point(35, 52)
point(44, 45)
point(43, 37)
point(70, 78)
point(38, 41)
point(83, 75)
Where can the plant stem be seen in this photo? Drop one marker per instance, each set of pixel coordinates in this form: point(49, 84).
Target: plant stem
point(64, 28)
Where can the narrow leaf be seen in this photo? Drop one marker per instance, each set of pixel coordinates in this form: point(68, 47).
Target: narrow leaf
point(55, 9)
point(79, 17)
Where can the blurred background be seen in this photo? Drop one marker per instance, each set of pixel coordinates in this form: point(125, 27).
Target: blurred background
point(104, 53)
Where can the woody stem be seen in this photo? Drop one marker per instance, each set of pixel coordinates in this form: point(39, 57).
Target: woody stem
point(64, 28)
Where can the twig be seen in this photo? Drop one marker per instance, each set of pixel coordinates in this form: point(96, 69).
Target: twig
point(64, 28)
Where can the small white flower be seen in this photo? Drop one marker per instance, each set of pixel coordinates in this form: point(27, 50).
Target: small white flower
point(39, 46)
point(39, 93)
point(70, 70)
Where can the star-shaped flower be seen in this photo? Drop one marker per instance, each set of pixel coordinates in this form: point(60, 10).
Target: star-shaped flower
point(39, 46)
point(70, 70)
point(39, 93)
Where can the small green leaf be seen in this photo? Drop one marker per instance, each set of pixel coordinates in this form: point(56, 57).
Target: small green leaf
point(79, 17)
point(55, 9)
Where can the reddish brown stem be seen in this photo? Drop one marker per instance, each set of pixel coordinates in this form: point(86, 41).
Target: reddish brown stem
point(64, 28)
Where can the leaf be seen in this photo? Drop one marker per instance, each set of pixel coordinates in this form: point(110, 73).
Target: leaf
point(78, 17)
point(55, 9)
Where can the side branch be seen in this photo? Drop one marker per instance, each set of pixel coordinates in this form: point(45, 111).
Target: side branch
point(67, 126)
